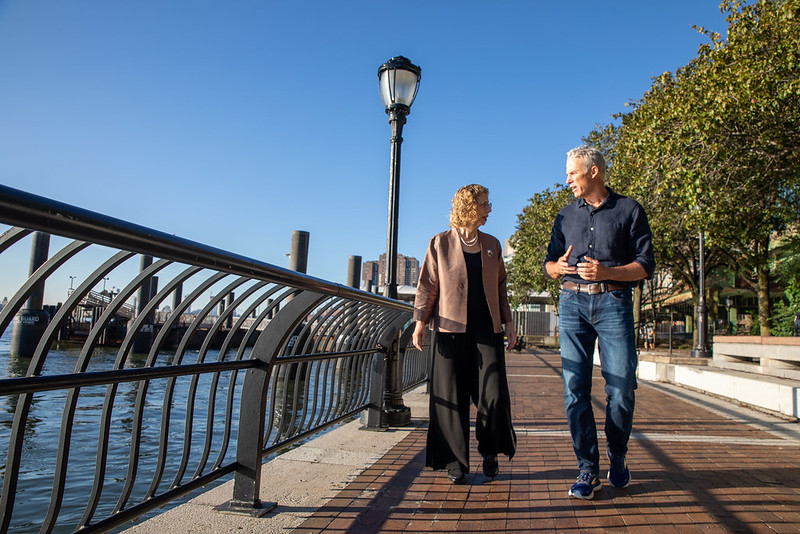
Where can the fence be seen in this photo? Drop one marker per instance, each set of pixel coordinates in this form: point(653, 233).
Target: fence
point(127, 408)
point(536, 328)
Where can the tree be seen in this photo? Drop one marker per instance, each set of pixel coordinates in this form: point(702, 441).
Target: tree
point(714, 147)
point(534, 225)
point(787, 268)
point(755, 74)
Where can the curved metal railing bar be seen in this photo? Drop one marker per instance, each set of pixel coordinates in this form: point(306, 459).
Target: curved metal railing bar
point(30, 211)
point(102, 448)
point(141, 395)
point(209, 434)
point(192, 388)
point(268, 311)
point(111, 391)
point(189, 419)
point(11, 236)
point(22, 294)
point(81, 364)
point(14, 456)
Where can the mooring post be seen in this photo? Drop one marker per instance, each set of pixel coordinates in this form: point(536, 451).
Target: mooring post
point(145, 336)
point(354, 271)
point(31, 321)
point(299, 255)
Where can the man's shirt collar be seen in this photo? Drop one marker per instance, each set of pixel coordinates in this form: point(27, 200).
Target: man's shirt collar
point(609, 201)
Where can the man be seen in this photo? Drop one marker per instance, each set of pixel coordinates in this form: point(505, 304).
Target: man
point(649, 337)
point(600, 248)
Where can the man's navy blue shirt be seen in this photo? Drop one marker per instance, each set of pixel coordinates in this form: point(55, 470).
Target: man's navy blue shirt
point(615, 233)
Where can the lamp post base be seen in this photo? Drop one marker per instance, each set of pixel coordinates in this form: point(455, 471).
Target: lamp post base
point(701, 353)
point(396, 416)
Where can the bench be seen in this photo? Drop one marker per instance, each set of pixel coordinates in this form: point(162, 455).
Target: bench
point(770, 355)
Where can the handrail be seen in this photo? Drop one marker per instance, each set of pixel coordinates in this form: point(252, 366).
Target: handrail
point(26, 210)
point(313, 353)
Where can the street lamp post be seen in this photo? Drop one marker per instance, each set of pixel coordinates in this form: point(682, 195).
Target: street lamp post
point(399, 83)
point(701, 349)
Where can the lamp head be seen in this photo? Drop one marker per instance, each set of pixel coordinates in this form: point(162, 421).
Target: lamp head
point(399, 82)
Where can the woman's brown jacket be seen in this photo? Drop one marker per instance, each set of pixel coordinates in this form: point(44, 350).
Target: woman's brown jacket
point(441, 297)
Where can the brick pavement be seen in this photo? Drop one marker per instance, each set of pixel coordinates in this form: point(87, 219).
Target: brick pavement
point(697, 465)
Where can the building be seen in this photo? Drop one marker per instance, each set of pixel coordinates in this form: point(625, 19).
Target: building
point(370, 274)
point(407, 270)
point(374, 272)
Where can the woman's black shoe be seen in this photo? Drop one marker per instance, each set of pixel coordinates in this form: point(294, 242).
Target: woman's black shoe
point(456, 475)
point(490, 467)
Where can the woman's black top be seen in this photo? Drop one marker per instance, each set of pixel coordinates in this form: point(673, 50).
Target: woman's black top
point(478, 315)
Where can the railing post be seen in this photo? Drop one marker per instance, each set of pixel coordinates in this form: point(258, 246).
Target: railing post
point(373, 416)
point(253, 410)
point(395, 413)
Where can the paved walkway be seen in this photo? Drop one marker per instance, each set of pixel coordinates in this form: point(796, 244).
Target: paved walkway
point(698, 465)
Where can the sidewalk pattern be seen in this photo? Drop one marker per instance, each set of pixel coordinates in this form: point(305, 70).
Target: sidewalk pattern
point(696, 466)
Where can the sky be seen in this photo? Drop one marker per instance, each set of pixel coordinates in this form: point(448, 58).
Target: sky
point(233, 123)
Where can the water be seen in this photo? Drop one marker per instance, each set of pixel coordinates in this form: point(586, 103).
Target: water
point(43, 440)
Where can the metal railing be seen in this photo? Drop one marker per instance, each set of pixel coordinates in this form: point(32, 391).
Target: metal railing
point(252, 359)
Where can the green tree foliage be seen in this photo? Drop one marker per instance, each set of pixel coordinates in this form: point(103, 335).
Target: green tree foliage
point(714, 147)
point(535, 223)
point(756, 74)
point(787, 267)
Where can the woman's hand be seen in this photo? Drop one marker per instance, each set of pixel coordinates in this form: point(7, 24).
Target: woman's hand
point(511, 335)
point(420, 332)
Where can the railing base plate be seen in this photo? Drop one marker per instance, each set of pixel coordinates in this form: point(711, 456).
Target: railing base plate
point(374, 428)
point(261, 510)
point(400, 416)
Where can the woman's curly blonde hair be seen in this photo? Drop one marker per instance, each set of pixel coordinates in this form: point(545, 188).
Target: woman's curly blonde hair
point(465, 205)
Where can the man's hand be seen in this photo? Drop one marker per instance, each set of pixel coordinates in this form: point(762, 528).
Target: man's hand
point(591, 269)
point(562, 266)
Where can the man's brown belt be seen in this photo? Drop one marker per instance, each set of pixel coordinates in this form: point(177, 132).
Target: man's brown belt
point(592, 289)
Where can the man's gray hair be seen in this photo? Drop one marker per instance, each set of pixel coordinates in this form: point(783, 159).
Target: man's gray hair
point(590, 156)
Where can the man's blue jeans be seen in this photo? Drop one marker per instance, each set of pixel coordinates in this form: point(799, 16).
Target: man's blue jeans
point(608, 319)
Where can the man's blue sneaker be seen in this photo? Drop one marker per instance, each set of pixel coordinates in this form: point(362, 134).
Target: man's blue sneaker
point(619, 475)
point(584, 487)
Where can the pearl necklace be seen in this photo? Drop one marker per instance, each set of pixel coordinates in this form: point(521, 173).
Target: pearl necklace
point(471, 243)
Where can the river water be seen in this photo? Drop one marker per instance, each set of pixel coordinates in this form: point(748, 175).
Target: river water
point(42, 436)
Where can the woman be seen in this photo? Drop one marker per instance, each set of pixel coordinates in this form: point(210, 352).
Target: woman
point(462, 294)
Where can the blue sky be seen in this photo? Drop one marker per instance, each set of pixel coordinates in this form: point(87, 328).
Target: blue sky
point(233, 123)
